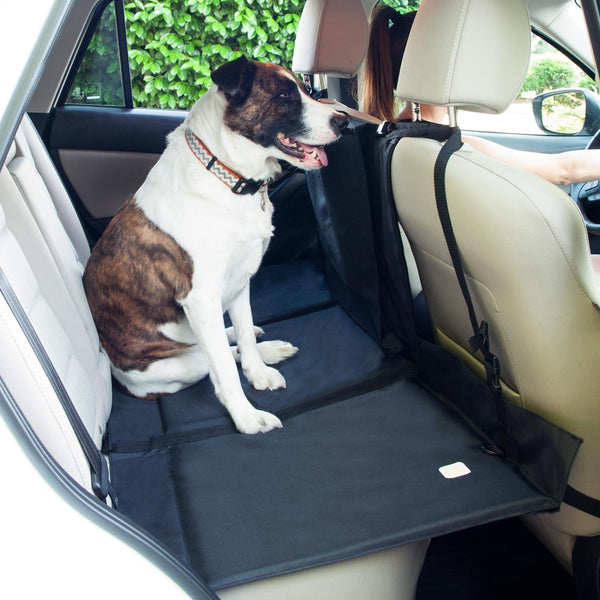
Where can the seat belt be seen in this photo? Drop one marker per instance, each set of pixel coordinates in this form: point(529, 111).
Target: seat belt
point(97, 461)
point(480, 339)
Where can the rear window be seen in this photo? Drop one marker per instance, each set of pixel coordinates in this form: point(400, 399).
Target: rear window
point(174, 45)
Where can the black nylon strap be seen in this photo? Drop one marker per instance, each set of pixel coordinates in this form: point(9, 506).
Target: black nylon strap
point(480, 339)
point(98, 465)
point(582, 501)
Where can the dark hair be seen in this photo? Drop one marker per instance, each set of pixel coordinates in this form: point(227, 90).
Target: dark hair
point(384, 56)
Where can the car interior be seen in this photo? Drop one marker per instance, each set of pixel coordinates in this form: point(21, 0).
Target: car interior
point(396, 440)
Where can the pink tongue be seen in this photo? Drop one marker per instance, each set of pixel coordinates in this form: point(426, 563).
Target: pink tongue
point(322, 156)
point(308, 158)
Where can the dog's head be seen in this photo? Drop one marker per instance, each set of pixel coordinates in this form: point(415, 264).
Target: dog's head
point(268, 105)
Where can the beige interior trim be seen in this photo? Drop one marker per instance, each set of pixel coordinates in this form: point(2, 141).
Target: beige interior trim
point(103, 180)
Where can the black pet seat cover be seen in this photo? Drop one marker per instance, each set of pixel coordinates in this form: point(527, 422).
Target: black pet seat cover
point(370, 415)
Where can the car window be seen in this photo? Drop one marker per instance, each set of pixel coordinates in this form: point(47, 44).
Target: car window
point(174, 45)
point(548, 70)
point(98, 78)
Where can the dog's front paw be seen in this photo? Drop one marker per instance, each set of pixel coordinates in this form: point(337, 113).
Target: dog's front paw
point(265, 378)
point(275, 351)
point(257, 421)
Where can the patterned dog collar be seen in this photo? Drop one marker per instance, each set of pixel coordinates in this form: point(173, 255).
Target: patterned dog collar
point(235, 182)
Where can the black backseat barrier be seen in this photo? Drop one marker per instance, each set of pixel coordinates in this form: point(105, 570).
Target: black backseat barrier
point(543, 451)
point(370, 415)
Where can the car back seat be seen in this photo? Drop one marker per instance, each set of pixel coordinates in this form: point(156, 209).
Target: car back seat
point(55, 318)
point(60, 287)
point(350, 486)
point(33, 233)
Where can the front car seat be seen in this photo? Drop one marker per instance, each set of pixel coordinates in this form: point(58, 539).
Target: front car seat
point(331, 44)
point(522, 242)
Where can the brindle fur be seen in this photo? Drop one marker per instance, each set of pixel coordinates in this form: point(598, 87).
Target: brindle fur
point(162, 272)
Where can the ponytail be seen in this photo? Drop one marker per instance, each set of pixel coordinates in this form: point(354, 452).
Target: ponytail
point(382, 64)
point(378, 89)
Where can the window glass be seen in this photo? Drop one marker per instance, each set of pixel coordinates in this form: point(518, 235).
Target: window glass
point(548, 70)
point(174, 45)
point(98, 79)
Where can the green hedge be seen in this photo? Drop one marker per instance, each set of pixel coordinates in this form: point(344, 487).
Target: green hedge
point(176, 44)
point(548, 74)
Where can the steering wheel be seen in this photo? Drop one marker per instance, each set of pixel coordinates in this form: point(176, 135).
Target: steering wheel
point(587, 195)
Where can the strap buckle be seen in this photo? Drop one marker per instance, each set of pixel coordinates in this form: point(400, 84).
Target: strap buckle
point(101, 485)
point(481, 341)
point(384, 127)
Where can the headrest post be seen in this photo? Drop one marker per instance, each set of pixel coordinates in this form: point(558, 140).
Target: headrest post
point(320, 82)
point(416, 112)
point(452, 112)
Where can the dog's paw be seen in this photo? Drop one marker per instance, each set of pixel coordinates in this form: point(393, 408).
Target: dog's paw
point(257, 421)
point(274, 351)
point(265, 378)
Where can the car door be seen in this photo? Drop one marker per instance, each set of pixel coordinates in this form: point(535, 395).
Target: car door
point(139, 68)
point(102, 145)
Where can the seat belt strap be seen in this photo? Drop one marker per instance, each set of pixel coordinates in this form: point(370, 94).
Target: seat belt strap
point(582, 501)
point(480, 339)
point(97, 461)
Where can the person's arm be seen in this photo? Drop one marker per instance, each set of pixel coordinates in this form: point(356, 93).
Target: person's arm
point(561, 169)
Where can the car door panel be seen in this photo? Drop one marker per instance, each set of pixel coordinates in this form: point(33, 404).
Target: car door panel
point(104, 154)
point(103, 179)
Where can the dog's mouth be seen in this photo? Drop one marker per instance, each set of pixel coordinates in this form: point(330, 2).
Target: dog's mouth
point(311, 157)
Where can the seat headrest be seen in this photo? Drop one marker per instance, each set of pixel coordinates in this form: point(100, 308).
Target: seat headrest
point(332, 38)
point(472, 54)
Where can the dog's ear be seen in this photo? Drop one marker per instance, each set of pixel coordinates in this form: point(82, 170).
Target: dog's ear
point(235, 78)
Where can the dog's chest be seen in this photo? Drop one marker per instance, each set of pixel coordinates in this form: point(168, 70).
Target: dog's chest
point(244, 262)
point(227, 248)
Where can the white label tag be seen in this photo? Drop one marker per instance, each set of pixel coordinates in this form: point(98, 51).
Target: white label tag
point(457, 469)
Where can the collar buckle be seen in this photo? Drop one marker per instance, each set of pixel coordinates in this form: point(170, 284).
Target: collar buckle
point(247, 186)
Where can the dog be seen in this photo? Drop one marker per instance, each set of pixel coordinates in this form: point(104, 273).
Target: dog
point(182, 250)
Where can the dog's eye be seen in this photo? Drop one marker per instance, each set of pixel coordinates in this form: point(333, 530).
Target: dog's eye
point(285, 95)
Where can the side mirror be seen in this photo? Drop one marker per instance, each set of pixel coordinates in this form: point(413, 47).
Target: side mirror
point(573, 111)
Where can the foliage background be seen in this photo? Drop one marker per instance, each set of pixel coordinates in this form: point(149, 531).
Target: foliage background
point(403, 6)
point(174, 45)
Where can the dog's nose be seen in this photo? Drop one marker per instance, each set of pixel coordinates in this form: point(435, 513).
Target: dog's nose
point(339, 122)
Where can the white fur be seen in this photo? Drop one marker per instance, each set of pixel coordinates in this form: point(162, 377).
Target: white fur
point(226, 236)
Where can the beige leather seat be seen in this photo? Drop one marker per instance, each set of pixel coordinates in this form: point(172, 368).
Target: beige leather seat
point(331, 44)
point(522, 241)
